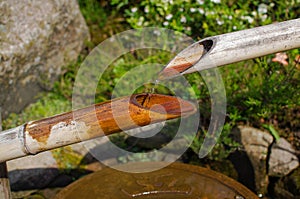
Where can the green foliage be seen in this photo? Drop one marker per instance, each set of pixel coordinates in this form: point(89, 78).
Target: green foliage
point(124, 64)
point(66, 158)
point(102, 19)
point(48, 105)
point(261, 88)
point(64, 85)
point(257, 90)
point(224, 144)
point(203, 18)
point(93, 12)
point(272, 131)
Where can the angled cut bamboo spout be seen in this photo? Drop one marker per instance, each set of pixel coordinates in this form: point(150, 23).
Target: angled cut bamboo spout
point(234, 47)
point(112, 116)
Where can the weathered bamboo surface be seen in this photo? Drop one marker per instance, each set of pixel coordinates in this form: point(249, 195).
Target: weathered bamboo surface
point(91, 122)
point(234, 47)
point(4, 182)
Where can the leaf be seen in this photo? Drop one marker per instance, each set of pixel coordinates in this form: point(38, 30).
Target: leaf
point(273, 132)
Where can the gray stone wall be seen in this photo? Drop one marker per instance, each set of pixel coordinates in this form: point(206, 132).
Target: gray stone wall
point(37, 38)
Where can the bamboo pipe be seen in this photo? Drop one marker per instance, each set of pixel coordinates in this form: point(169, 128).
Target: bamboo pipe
point(83, 124)
point(234, 47)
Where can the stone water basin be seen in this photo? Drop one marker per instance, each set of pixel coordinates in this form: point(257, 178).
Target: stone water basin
point(177, 180)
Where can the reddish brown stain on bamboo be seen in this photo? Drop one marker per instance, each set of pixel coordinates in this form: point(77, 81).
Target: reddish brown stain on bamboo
point(40, 130)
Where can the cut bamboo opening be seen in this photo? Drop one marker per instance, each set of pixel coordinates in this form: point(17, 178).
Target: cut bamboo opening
point(233, 47)
point(91, 122)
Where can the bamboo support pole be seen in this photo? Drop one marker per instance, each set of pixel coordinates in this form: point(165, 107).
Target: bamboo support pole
point(234, 47)
point(4, 181)
point(83, 124)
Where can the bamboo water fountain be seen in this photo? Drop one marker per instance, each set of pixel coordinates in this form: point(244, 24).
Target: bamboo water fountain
point(60, 130)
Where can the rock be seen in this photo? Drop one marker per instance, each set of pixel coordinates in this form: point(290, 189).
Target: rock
point(292, 182)
point(287, 186)
point(279, 191)
point(148, 137)
point(282, 159)
point(22, 194)
point(36, 194)
point(37, 38)
point(50, 193)
point(155, 142)
point(146, 131)
point(256, 144)
point(54, 168)
point(94, 166)
point(32, 172)
point(244, 169)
